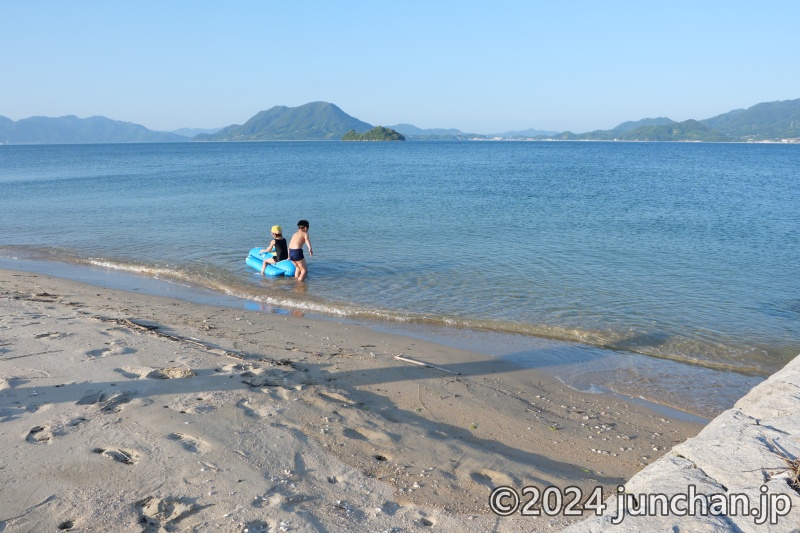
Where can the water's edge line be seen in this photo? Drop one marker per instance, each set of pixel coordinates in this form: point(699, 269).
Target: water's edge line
point(207, 296)
point(353, 312)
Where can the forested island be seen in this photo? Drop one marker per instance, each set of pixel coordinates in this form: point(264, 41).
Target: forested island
point(378, 133)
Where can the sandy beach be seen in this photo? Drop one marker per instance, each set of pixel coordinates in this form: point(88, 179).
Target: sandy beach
point(126, 412)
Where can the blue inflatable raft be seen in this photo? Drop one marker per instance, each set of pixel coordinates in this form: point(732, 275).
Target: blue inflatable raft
point(255, 259)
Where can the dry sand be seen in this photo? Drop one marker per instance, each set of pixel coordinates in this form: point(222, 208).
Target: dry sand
point(126, 412)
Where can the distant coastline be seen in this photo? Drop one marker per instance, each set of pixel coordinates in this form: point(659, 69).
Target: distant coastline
point(795, 140)
point(768, 122)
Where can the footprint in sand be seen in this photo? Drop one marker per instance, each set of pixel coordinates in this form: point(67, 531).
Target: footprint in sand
point(77, 421)
point(190, 443)
point(162, 514)
point(171, 373)
point(39, 435)
point(127, 457)
point(113, 348)
point(491, 478)
point(100, 352)
point(133, 372)
point(274, 377)
point(256, 526)
point(22, 377)
point(109, 402)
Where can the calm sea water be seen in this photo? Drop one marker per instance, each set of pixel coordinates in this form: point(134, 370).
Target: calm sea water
point(684, 252)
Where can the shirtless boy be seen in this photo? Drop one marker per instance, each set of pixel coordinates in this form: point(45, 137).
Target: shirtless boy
point(296, 249)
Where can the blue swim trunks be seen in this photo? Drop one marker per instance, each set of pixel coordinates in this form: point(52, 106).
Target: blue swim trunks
point(296, 254)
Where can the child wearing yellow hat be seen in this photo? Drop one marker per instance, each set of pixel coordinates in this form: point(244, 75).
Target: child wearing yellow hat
point(276, 245)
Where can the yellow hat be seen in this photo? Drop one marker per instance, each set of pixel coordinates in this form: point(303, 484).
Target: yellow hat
point(277, 229)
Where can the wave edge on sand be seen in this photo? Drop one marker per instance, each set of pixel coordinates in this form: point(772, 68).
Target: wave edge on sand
point(221, 418)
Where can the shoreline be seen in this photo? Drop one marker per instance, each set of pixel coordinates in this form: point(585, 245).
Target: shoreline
point(148, 409)
point(664, 384)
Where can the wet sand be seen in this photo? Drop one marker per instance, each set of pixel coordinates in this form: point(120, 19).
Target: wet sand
point(128, 412)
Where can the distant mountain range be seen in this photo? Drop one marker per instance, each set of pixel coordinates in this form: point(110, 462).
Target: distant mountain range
point(416, 134)
point(74, 130)
point(524, 134)
point(661, 129)
point(633, 124)
point(769, 121)
point(191, 132)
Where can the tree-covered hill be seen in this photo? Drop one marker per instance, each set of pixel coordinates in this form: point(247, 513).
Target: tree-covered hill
point(689, 130)
point(313, 121)
point(768, 121)
point(632, 125)
point(73, 130)
point(378, 133)
point(765, 121)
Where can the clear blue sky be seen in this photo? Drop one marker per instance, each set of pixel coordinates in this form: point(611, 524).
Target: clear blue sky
point(479, 66)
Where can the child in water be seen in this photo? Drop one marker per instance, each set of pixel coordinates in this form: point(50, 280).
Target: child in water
point(278, 245)
point(296, 249)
